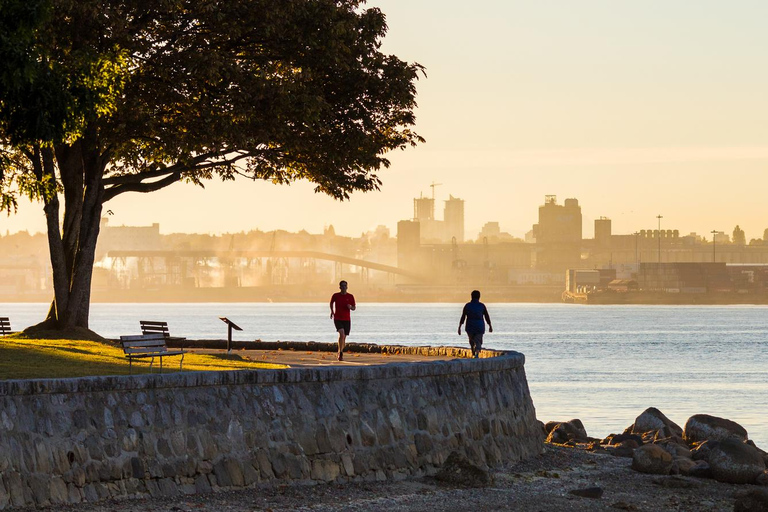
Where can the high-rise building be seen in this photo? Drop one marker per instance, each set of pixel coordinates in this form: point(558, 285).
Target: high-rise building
point(423, 209)
point(454, 219)
point(603, 232)
point(558, 235)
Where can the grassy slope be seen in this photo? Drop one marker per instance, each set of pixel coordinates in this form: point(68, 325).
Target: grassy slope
point(41, 359)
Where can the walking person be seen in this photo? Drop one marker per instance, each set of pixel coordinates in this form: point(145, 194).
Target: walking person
point(341, 304)
point(476, 315)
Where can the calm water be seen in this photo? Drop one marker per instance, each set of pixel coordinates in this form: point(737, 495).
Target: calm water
point(602, 364)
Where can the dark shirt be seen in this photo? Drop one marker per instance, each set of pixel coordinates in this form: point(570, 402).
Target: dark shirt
point(475, 312)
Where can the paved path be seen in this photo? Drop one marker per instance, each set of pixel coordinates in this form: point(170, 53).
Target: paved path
point(308, 359)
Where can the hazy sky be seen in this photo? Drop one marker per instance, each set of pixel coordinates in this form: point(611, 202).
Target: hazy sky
point(635, 108)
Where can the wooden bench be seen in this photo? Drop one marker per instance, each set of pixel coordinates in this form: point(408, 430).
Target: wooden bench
point(148, 345)
point(5, 326)
point(152, 327)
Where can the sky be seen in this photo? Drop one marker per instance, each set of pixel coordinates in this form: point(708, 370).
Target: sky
point(637, 109)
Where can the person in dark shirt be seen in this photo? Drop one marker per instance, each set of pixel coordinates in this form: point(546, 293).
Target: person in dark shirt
point(341, 304)
point(476, 314)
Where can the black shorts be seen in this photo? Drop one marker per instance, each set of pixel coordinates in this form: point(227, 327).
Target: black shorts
point(343, 324)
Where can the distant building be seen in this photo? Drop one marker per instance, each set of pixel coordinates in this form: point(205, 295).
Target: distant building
point(435, 231)
point(454, 219)
point(603, 231)
point(558, 235)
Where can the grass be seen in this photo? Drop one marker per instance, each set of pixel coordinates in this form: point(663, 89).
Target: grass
point(22, 358)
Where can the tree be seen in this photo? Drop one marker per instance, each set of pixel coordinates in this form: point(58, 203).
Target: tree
point(104, 97)
point(739, 237)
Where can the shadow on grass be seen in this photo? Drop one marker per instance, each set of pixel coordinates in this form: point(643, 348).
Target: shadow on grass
point(36, 359)
point(23, 362)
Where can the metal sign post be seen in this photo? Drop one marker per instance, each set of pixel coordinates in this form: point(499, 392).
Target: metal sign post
point(230, 325)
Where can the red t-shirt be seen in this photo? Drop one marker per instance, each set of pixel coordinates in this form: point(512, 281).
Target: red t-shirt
point(341, 301)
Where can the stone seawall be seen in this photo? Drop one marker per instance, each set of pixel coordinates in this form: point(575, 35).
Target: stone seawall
point(74, 440)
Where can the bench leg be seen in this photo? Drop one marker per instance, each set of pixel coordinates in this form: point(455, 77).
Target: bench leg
point(181, 362)
point(161, 364)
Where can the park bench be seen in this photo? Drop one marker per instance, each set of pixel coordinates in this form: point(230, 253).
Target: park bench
point(152, 327)
point(148, 345)
point(5, 326)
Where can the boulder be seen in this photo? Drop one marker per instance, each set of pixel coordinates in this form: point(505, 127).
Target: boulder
point(653, 420)
point(457, 470)
point(703, 427)
point(701, 451)
point(620, 438)
point(566, 431)
point(733, 461)
point(652, 459)
point(751, 500)
point(682, 466)
point(594, 493)
point(700, 470)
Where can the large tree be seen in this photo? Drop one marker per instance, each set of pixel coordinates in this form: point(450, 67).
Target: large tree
point(104, 97)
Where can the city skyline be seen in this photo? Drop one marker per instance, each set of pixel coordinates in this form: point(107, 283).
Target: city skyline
point(636, 110)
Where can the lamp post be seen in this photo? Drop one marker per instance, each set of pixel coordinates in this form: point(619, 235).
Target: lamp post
point(659, 235)
point(714, 256)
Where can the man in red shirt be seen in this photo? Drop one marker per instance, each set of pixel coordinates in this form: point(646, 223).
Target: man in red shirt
point(341, 304)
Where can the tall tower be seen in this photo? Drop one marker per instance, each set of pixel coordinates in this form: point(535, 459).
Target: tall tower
point(423, 209)
point(558, 235)
point(454, 219)
point(603, 232)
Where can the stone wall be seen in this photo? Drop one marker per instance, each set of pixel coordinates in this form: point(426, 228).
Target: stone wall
point(73, 440)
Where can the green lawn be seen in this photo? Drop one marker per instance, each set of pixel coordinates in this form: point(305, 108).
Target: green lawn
point(41, 359)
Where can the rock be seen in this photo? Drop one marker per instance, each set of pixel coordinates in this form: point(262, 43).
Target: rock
point(594, 493)
point(701, 451)
point(703, 427)
point(652, 459)
point(700, 470)
point(566, 431)
point(457, 470)
point(682, 466)
point(623, 505)
point(677, 450)
point(751, 500)
point(653, 419)
point(677, 482)
point(620, 438)
point(735, 462)
point(620, 451)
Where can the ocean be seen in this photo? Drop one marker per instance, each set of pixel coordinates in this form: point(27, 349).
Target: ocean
point(601, 364)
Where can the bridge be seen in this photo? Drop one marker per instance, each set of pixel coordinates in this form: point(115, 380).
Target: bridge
point(269, 254)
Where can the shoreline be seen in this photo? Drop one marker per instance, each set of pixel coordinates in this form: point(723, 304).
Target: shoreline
point(543, 483)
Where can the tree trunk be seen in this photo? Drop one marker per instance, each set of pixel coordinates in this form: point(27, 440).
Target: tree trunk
point(73, 251)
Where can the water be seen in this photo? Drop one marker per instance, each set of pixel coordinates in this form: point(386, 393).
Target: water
point(602, 364)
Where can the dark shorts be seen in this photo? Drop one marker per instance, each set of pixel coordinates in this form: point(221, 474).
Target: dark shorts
point(475, 341)
point(343, 324)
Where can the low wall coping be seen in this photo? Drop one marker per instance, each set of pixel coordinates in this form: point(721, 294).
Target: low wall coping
point(490, 361)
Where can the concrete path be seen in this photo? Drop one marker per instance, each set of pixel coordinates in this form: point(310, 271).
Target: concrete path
point(308, 359)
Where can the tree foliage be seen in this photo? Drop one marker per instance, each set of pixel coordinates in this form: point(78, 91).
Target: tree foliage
point(104, 97)
point(739, 237)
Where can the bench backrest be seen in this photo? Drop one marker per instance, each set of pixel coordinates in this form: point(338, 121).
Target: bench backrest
point(142, 344)
point(5, 325)
point(149, 327)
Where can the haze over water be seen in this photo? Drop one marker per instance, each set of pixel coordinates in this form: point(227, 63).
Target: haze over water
point(602, 364)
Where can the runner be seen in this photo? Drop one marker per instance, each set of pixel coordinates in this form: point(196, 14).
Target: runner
point(341, 304)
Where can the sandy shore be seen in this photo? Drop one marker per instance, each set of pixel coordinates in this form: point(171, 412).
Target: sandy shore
point(540, 484)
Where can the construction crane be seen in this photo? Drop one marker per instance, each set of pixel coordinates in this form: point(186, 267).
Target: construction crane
point(433, 185)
